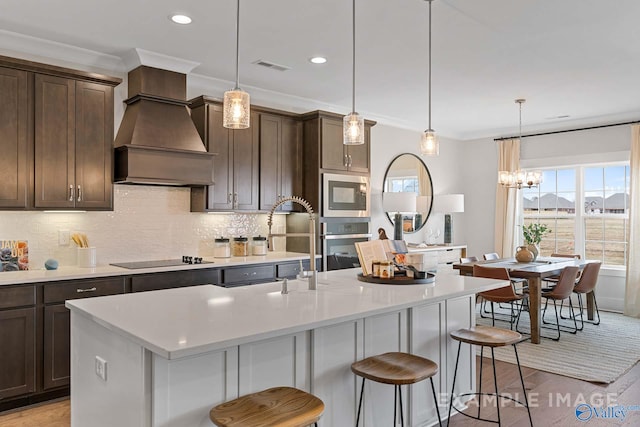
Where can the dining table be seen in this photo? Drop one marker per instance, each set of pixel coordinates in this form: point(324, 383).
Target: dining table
point(534, 272)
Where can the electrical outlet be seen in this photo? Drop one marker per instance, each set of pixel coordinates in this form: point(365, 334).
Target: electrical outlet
point(63, 237)
point(101, 368)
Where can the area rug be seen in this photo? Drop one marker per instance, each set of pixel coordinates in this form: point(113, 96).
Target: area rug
point(599, 353)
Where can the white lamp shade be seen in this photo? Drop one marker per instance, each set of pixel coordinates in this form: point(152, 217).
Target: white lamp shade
point(448, 203)
point(404, 202)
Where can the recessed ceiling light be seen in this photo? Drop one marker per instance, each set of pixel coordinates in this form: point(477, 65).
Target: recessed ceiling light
point(180, 19)
point(318, 60)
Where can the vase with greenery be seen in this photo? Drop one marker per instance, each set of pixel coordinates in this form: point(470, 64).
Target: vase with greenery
point(533, 234)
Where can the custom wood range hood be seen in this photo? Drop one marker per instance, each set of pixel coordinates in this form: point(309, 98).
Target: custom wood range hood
point(157, 143)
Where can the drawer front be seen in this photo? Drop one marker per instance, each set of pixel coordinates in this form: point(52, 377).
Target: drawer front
point(174, 279)
point(17, 296)
point(249, 274)
point(62, 291)
point(449, 256)
point(290, 269)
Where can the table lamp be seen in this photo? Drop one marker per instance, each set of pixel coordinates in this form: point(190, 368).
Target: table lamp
point(448, 204)
point(400, 203)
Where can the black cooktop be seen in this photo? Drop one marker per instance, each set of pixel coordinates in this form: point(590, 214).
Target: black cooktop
point(156, 263)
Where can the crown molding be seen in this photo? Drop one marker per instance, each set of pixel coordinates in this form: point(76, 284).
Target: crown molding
point(35, 49)
point(136, 57)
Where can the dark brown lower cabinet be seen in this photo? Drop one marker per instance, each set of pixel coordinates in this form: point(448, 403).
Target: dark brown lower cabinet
point(17, 351)
point(57, 345)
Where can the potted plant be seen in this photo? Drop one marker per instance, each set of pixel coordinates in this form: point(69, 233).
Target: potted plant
point(533, 234)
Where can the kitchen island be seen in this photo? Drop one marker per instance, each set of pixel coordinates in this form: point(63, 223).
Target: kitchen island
point(171, 355)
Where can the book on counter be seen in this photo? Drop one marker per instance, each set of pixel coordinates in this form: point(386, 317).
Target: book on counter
point(379, 250)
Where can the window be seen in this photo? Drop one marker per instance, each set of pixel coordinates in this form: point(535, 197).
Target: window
point(405, 184)
point(586, 208)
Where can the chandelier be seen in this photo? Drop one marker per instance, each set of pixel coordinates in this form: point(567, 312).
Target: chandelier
point(519, 178)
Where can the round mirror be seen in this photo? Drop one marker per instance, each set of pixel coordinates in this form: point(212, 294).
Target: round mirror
point(408, 173)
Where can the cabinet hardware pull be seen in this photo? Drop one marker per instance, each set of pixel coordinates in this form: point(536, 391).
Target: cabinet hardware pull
point(229, 198)
point(79, 193)
point(86, 290)
point(345, 160)
point(350, 160)
point(235, 200)
point(71, 193)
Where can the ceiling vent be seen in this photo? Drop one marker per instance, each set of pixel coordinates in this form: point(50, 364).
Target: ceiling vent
point(271, 65)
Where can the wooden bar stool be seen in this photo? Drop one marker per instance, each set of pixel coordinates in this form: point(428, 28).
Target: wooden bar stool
point(487, 336)
point(274, 407)
point(398, 369)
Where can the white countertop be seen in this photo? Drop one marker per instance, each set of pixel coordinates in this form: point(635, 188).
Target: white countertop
point(181, 322)
point(423, 247)
point(73, 272)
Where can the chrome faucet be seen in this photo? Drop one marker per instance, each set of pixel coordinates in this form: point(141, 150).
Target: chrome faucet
point(312, 273)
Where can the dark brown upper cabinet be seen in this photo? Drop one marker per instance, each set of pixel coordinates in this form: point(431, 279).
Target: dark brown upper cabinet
point(236, 168)
point(323, 139)
point(56, 137)
point(14, 139)
point(280, 160)
point(73, 144)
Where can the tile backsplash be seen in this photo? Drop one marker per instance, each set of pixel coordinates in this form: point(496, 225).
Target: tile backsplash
point(147, 223)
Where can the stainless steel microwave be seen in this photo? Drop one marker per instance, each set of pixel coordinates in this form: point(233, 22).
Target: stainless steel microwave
point(345, 195)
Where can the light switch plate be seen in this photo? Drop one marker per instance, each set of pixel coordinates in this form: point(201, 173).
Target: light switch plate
point(101, 368)
point(63, 237)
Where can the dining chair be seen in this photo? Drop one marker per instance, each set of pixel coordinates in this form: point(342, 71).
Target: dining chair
point(587, 283)
point(505, 294)
point(469, 259)
point(491, 256)
point(561, 292)
point(553, 280)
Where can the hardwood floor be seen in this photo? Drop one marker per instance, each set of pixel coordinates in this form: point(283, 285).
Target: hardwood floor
point(55, 414)
point(553, 399)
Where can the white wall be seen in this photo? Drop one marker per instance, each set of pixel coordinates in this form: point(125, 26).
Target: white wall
point(446, 174)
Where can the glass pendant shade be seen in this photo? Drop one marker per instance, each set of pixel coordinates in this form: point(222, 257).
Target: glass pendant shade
point(236, 109)
point(353, 129)
point(429, 145)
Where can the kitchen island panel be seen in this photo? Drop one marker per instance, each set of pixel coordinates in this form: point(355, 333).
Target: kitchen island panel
point(335, 348)
point(184, 390)
point(280, 361)
point(460, 314)
point(428, 339)
point(121, 400)
point(382, 334)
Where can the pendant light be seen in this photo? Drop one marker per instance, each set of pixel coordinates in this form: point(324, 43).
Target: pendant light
point(429, 145)
point(236, 106)
point(353, 123)
point(520, 178)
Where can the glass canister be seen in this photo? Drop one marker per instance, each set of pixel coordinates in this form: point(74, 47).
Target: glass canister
point(240, 246)
point(386, 270)
point(259, 245)
point(222, 248)
point(375, 268)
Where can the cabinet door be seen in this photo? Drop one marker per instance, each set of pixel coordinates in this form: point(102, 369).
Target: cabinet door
point(219, 141)
point(57, 346)
point(246, 155)
point(14, 125)
point(358, 155)
point(333, 154)
point(94, 146)
point(291, 160)
point(54, 142)
point(17, 352)
point(270, 158)
point(280, 158)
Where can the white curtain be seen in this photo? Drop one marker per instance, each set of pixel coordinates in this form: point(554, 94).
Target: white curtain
point(632, 294)
point(505, 237)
